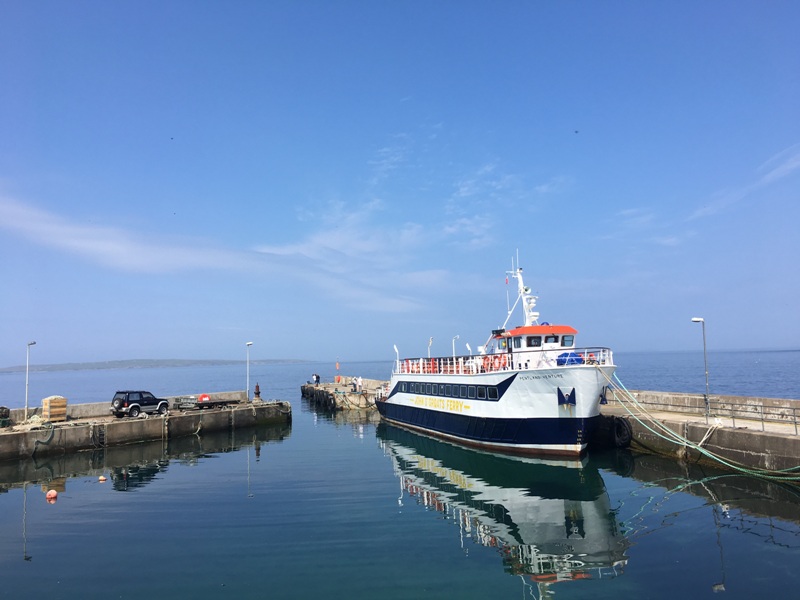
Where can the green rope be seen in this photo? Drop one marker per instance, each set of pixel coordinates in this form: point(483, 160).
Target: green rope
point(673, 437)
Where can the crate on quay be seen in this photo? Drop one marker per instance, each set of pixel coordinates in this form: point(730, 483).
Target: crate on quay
point(54, 409)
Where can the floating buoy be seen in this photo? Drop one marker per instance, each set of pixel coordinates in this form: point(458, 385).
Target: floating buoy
point(101, 479)
point(51, 496)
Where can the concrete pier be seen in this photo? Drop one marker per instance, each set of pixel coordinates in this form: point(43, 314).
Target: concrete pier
point(90, 426)
point(756, 433)
point(341, 396)
point(133, 465)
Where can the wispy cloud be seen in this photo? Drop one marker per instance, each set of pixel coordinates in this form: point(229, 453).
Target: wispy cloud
point(556, 185)
point(349, 259)
point(635, 217)
point(480, 183)
point(389, 158)
point(354, 259)
point(643, 225)
point(669, 240)
point(477, 231)
point(780, 166)
point(113, 247)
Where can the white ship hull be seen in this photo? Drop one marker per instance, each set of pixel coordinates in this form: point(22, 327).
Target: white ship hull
point(544, 411)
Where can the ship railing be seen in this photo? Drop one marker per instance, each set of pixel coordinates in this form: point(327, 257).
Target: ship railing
point(516, 361)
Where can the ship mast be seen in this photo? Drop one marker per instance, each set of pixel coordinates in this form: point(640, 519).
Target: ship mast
point(528, 299)
point(525, 296)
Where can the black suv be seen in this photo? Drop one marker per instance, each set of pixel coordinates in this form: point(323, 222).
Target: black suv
point(134, 403)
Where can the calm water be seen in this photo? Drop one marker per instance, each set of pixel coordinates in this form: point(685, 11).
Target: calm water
point(341, 507)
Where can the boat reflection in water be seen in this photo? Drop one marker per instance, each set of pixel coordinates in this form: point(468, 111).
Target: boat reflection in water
point(550, 519)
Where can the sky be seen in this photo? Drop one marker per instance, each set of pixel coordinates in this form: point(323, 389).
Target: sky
point(330, 179)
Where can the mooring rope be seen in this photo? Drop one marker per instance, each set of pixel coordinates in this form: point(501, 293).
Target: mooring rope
point(626, 400)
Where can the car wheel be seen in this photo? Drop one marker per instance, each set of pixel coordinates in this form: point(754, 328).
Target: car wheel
point(162, 410)
point(134, 412)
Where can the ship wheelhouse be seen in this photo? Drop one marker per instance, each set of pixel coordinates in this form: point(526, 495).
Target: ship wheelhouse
point(536, 346)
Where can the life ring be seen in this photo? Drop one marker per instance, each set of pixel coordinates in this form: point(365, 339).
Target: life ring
point(486, 363)
point(407, 366)
point(203, 398)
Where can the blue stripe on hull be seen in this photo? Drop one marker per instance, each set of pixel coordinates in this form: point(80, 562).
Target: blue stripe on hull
point(498, 433)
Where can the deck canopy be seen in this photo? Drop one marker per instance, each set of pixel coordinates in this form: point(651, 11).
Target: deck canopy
point(540, 330)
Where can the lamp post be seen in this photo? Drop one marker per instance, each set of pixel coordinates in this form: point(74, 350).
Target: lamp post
point(248, 344)
point(705, 357)
point(430, 341)
point(454, 348)
point(27, 365)
point(469, 349)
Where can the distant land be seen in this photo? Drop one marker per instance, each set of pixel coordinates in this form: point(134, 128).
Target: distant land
point(143, 363)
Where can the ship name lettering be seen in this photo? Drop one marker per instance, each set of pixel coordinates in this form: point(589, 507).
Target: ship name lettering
point(533, 377)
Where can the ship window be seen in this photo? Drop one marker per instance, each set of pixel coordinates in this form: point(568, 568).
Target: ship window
point(463, 391)
point(492, 393)
point(448, 390)
point(403, 387)
point(567, 340)
point(503, 344)
point(441, 389)
point(517, 342)
point(551, 339)
point(428, 389)
point(481, 392)
point(471, 392)
point(534, 341)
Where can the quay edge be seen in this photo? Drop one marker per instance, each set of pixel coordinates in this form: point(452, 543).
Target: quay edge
point(53, 471)
point(735, 429)
point(90, 426)
point(340, 395)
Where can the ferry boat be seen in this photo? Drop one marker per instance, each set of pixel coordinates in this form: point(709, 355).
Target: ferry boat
point(530, 389)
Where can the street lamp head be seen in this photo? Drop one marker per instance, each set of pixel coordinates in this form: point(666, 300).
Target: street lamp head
point(698, 320)
point(31, 343)
point(249, 344)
